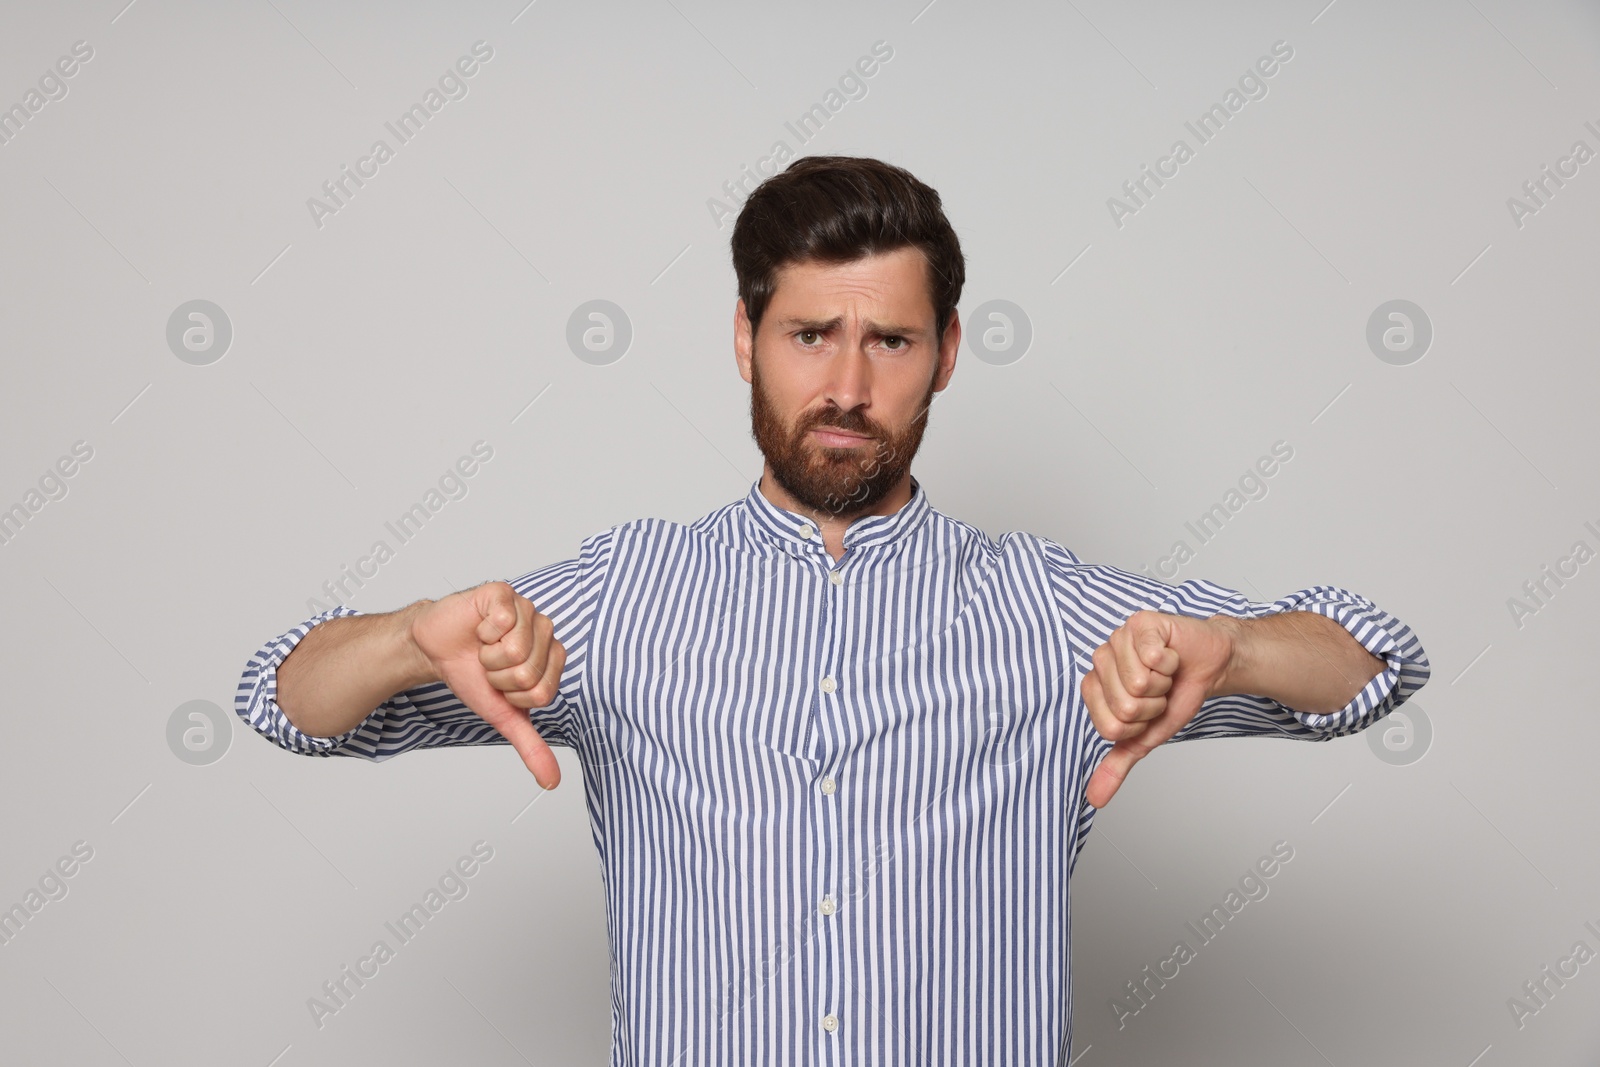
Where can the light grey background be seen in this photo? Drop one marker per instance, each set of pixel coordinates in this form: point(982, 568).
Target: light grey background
point(369, 353)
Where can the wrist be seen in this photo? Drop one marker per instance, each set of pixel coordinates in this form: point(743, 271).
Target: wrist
point(1236, 661)
point(418, 668)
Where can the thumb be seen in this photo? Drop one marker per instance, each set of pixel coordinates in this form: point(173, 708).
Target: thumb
point(1111, 772)
point(512, 723)
point(536, 754)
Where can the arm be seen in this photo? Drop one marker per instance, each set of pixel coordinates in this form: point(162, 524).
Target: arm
point(1194, 623)
point(1299, 659)
point(328, 691)
point(1095, 600)
point(1323, 631)
point(345, 667)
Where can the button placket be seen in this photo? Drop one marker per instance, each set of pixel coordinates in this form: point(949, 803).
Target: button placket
point(832, 693)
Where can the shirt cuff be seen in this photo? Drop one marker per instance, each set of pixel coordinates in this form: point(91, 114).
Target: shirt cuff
point(256, 700)
point(1405, 667)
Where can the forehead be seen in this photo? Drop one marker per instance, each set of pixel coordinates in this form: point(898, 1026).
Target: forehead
point(895, 281)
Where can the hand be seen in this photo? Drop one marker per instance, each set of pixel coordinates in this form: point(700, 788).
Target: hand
point(496, 652)
point(1149, 679)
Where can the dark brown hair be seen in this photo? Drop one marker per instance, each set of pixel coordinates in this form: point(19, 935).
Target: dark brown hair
point(836, 209)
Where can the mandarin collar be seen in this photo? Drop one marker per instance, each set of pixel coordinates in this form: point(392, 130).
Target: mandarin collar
point(796, 532)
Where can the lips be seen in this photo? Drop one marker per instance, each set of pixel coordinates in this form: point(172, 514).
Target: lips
point(839, 438)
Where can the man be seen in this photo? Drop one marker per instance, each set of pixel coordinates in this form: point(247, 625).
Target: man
point(841, 751)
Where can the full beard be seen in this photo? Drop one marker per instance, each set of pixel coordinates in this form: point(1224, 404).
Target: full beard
point(834, 481)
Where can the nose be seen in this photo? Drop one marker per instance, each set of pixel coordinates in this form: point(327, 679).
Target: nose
point(849, 381)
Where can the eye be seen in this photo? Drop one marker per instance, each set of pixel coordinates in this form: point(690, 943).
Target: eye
point(804, 334)
point(898, 345)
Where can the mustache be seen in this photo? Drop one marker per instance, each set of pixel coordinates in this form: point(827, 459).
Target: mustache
point(849, 423)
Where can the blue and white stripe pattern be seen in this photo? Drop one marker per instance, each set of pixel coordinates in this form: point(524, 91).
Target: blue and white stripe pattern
point(838, 803)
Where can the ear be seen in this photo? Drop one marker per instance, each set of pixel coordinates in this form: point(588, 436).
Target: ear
point(743, 339)
point(949, 345)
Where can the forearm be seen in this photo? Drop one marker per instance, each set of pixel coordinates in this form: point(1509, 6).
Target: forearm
point(345, 667)
point(1305, 661)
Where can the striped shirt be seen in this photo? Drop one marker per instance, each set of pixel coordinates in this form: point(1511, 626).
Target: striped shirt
point(838, 803)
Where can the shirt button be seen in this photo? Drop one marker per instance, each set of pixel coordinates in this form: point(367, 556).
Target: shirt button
point(836, 577)
point(827, 906)
point(828, 786)
point(807, 531)
point(828, 684)
point(830, 1023)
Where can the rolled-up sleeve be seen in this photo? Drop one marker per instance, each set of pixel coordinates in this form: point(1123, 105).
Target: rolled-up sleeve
point(1404, 672)
point(432, 716)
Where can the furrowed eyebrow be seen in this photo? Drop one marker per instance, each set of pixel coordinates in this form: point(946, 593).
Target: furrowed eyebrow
point(876, 329)
point(819, 325)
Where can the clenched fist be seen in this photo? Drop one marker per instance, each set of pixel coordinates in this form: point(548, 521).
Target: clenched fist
point(496, 652)
point(1149, 679)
